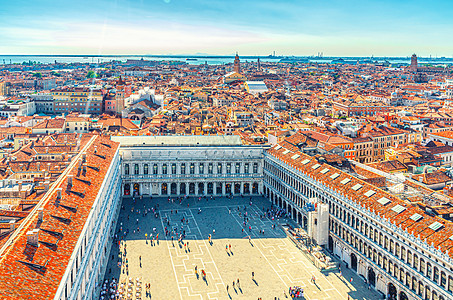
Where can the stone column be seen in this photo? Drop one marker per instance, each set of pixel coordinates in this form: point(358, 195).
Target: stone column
point(223, 188)
point(205, 186)
point(178, 187)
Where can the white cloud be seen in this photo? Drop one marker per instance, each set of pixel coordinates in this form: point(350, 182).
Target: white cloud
point(152, 38)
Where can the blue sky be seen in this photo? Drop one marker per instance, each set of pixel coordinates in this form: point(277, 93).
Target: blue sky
point(289, 27)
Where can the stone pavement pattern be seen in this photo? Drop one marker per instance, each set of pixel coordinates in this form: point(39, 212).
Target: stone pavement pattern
point(170, 266)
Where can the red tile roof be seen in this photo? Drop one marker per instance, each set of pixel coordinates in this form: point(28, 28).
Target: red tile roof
point(418, 229)
point(30, 272)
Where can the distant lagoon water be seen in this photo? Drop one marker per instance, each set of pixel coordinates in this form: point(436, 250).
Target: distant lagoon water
point(197, 60)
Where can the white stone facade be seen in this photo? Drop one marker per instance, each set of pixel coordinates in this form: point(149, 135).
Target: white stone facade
point(85, 271)
point(391, 260)
point(192, 170)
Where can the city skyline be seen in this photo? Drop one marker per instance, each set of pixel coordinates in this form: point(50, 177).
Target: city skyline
point(350, 28)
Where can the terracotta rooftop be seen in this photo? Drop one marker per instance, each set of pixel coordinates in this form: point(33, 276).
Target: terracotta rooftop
point(420, 229)
point(30, 272)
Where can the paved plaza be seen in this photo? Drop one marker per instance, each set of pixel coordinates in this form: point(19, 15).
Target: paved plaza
point(170, 266)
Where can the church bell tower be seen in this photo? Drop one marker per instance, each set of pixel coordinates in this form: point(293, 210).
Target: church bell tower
point(237, 65)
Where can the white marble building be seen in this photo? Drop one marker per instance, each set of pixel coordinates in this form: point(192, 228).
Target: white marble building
point(369, 229)
point(190, 165)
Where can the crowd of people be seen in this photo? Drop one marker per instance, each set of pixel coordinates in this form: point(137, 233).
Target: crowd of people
point(296, 292)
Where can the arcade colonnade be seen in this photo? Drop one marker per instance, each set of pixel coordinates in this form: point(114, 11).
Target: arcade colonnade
point(388, 263)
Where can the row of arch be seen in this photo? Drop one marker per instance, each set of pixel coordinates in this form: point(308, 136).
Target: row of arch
point(386, 264)
point(398, 250)
point(200, 188)
point(291, 188)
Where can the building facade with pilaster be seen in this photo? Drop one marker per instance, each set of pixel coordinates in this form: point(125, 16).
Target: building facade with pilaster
point(190, 166)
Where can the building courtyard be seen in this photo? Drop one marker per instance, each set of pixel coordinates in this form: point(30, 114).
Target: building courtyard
point(169, 266)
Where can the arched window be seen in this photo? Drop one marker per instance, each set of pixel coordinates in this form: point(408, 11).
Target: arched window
point(210, 168)
point(126, 169)
point(422, 266)
point(145, 169)
point(155, 169)
point(136, 169)
point(443, 280)
point(173, 168)
point(429, 270)
point(164, 169)
point(183, 168)
point(436, 274)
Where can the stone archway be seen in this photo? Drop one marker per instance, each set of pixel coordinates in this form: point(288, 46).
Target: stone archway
point(237, 188)
point(246, 188)
point(371, 277)
point(136, 189)
point(330, 244)
point(255, 189)
point(219, 188)
point(201, 188)
point(173, 188)
point(127, 189)
point(403, 296)
point(299, 218)
point(353, 262)
point(164, 189)
point(210, 188)
point(182, 188)
point(392, 292)
point(305, 222)
point(191, 188)
point(228, 188)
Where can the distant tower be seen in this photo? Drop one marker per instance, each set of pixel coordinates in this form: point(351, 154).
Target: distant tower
point(259, 64)
point(237, 66)
point(414, 63)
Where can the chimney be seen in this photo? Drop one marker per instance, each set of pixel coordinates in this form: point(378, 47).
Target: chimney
point(38, 164)
point(84, 157)
point(32, 237)
point(48, 166)
point(20, 186)
point(46, 185)
point(95, 149)
point(70, 180)
point(59, 193)
point(12, 225)
point(84, 169)
point(47, 149)
point(40, 214)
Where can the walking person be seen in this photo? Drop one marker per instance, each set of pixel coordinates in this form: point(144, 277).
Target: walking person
point(253, 275)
